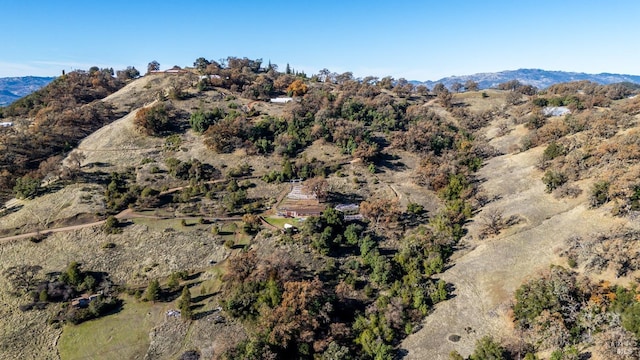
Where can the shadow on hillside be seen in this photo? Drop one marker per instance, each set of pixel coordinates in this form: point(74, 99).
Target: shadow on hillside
point(193, 276)
point(401, 354)
point(340, 198)
point(171, 295)
point(200, 298)
point(10, 210)
point(94, 177)
point(97, 164)
point(390, 162)
point(204, 314)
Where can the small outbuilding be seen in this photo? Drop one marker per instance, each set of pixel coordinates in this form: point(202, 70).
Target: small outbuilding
point(84, 300)
point(281, 100)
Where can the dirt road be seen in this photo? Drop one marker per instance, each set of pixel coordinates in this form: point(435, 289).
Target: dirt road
point(125, 214)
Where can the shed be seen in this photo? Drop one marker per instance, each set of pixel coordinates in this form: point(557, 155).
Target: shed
point(281, 100)
point(83, 301)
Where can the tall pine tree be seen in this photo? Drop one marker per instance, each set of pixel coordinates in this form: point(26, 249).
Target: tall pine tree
point(184, 304)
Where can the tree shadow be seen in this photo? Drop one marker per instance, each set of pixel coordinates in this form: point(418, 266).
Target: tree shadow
point(11, 210)
point(200, 298)
point(401, 354)
point(196, 306)
point(97, 164)
point(451, 288)
point(94, 177)
point(171, 295)
point(390, 162)
point(204, 314)
point(336, 197)
point(193, 276)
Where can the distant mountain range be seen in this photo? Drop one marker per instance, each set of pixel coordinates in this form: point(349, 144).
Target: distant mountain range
point(536, 77)
point(13, 88)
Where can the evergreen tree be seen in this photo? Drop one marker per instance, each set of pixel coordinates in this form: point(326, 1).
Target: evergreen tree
point(73, 275)
point(152, 293)
point(184, 304)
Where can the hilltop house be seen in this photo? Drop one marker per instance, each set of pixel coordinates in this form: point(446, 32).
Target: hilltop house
point(300, 203)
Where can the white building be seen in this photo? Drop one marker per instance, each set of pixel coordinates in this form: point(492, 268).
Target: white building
point(281, 100)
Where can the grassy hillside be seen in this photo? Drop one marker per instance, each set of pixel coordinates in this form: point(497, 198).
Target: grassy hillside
point(463, 197)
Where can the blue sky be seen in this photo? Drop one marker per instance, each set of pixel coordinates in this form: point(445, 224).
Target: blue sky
point(417, 40)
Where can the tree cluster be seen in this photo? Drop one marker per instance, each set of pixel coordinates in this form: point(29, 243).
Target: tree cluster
point(63, 287)
point(565, 313)
point(61, 114)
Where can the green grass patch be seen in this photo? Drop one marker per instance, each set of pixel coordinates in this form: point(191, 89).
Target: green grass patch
point(159, 224)
point(280, 221)
point(124, 335)
point(176, 224)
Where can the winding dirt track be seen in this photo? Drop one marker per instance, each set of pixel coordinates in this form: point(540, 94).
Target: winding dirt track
point(124, 214)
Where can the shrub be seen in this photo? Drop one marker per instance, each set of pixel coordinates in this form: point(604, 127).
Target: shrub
point(146, 192)
point(172, 142)
point(111, 225)
point(153, 120)
point(26, 187)
point(415, 208)
point(535, 121)
point(38, 238)
point(200, 120)
point(567, 190)
point(599, 194)
point(488, 349)
point(553, 179)
point(552, 151)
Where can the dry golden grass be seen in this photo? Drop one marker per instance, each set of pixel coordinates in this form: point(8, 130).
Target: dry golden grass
point(487, 273)
point(69, 202)
point(139, 255)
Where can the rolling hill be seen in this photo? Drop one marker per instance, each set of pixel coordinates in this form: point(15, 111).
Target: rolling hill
point(174, 184)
